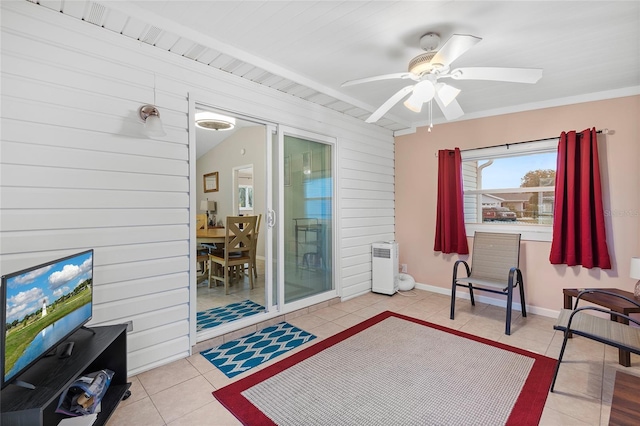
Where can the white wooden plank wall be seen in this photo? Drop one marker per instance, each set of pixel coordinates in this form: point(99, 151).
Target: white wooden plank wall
point(77, 172)
point(470, 180)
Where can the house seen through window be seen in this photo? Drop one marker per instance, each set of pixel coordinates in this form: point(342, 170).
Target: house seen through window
point(510, 188)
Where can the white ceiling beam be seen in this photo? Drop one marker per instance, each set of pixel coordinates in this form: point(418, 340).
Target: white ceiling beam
point(168, 25)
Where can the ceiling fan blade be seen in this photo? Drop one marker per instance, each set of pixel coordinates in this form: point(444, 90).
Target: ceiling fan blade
point(454, 48)
point(451, 111)
point(401, 75)
point(389, 103)
point(514, 75)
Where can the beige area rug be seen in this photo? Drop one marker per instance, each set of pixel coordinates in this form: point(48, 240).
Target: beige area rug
point(396, 370)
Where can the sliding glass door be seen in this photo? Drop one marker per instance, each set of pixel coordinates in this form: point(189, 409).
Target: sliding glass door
point(286, 177)
point(307, 215)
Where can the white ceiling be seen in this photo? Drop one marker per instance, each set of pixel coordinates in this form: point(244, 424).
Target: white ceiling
point(588, 50)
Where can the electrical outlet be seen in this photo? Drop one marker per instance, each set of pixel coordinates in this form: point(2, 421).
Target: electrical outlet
point(129, 326)
point(404, 268)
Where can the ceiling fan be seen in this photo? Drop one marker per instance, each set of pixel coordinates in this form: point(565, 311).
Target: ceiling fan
point(427, 68)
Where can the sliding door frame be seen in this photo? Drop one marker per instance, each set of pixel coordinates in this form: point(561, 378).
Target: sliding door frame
point(274, 140)
point(201, 101)
point(284, 130)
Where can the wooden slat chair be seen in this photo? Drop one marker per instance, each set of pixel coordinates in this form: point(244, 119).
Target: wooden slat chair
point(201, 221)
point(255, 247)
point(205, 249)
point(238, 272)
point(611, 331)
point(203, 261)
point(494, 268)
point(238, 249)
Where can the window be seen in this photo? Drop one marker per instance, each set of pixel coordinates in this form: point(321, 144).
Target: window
point(245, 197)
point(318, 196)
point(511, 188)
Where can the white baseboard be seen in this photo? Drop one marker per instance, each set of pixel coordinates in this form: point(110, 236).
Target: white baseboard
point(489, 300)
point(351, 296)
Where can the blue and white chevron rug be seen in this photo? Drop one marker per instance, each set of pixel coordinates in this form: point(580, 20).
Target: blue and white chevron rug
point(237, 356)
point(223, 314)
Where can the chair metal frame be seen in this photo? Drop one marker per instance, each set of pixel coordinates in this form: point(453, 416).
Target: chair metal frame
point(588, 326)
point(495, 273)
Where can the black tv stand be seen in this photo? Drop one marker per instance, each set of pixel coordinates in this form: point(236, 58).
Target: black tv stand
point(52, 351)
point(105, 348)
point(67, 350)
point(23, 384)
point(90, 330)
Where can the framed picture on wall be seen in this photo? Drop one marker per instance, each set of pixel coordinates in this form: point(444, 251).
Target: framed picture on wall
point(211, 182)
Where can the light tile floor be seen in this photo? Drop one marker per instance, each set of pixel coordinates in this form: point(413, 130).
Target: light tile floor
point(214, 296)
point(180, 393)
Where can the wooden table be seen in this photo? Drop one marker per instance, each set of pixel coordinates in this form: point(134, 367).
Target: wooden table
point(625, 408)
point(208, 236)
point(211, 235)
point(610, 302)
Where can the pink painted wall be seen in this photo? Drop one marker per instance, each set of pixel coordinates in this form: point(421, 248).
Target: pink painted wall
point(416, 189)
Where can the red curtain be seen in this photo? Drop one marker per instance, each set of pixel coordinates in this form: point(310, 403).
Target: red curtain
point(451, 236)
point(578, 221)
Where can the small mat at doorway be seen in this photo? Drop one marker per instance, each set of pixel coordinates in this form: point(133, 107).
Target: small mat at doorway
point(237, 356)
point(223, 314)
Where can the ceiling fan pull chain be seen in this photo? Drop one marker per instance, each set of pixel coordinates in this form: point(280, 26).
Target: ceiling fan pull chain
point(430, 115)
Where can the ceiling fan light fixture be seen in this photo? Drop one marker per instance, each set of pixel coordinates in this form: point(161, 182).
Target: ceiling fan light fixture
point(422, 92)
point(422, 63)
point(413, 105)
point(216, 122)
point(447, 93)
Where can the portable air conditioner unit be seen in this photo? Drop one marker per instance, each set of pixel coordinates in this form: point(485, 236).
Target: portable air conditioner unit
point(384, 260)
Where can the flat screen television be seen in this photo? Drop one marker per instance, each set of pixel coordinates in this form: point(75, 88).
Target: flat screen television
point(43, 305)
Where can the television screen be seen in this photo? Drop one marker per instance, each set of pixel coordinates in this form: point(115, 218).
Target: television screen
point(43, 305)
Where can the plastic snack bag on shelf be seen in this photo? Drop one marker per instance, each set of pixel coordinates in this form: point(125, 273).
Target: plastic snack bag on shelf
point(84, 395)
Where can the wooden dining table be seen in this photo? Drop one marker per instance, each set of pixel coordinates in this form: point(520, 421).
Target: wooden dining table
point(211, 235)
point(208, 236)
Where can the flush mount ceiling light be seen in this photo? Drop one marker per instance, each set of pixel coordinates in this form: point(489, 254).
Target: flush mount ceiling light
point(212, 121)
point(151, 117)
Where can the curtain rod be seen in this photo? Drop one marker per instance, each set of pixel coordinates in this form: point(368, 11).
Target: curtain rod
point(603, 131)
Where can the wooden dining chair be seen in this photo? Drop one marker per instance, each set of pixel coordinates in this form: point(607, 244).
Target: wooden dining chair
point(238, 250)
point(203, 262)
point(254, 268)
point(201, 221)
point(238, 272)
